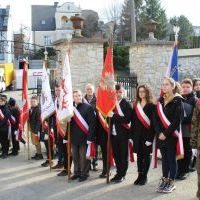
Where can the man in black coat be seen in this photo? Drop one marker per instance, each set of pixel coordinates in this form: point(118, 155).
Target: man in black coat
point(91, 99)
point(14, 126)
point(80, 137)
point(5, 116)
point(120, 134)
point(189, 104)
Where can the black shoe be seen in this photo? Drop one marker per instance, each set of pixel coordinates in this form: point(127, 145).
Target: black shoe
point(181, 177)
point(4, 156)
point(114, 178)
point(103, 175)
point(58, 166)
point(82, 178)
point(13, 153)
point(39, 157)
point(75, 176)
point(138, 179)
point(34, 157)
point(192, 169)
point(143, 180)
point(62, 173)
point(46, 163)
point(119, 180)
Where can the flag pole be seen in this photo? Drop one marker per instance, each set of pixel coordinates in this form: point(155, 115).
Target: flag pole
point(49, 146)
point(28, 139)
point(68, 151)
point(108, 153)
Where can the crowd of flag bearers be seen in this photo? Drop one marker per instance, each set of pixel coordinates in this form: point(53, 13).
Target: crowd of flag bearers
point(76, 126)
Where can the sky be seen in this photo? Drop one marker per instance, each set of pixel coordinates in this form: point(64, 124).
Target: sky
point(21, 9)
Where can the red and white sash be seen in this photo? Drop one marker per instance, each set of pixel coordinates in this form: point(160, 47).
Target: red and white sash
point(120, 113)
point(178, 135)
point(103, 122)
point(80, 122)
point(142, 116)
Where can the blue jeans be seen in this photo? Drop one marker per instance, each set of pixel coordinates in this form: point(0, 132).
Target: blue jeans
point(169, 163)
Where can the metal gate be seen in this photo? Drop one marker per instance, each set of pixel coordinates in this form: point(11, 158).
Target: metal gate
point(130, 84)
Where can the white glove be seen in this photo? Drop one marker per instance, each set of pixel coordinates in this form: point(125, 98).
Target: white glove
point(38, 134)
point(16, 132)
point(89, 142)
point(110, 114)
point(148, 143)
point(194, 152)
point(64, 141)
point(46, 137)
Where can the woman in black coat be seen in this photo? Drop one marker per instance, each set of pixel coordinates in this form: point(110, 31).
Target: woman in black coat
point(142, 132)
point(169, 108)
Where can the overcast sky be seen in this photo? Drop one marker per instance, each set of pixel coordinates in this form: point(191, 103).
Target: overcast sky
point(22, 12)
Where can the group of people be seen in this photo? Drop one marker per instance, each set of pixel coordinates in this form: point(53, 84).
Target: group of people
point(148, 123)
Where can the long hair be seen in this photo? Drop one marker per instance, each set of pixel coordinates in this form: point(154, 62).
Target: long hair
point(148, 94)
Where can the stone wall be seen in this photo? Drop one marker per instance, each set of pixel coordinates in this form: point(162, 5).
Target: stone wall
point(149, 60)
point(86, 60)
point(189, 63)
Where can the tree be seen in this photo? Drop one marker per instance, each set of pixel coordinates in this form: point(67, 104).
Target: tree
point(40, 53)
point(90, 26)
point(152, 10)
point(186, 30)
point(145, 10)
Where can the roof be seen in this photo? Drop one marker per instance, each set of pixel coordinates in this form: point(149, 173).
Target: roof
point(43, 17)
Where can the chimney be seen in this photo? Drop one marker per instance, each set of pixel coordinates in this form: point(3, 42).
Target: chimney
point(56, 4)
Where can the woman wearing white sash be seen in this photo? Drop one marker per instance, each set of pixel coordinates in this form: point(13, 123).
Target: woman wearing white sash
point(167, 122)
point(142, 132)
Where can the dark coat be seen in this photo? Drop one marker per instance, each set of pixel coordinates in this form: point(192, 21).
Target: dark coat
point(141, 134)
point(3, 123)
point(100, 133)
point(16, 114)
point(92, 102)
point(78, 137)
point(34, 120)
point(118, 121)
point(174, 113)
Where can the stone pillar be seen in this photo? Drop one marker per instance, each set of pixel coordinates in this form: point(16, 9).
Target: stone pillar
point(86, 60)
point(149, 60)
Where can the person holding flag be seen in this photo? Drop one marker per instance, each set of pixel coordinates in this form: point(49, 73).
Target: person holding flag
point(120, 133)
point(106, 101)
point(142, 131)
point(168, 116)
point(47, 110)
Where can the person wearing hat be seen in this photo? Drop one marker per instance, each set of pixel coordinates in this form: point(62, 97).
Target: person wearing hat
point(5, 117)
point(14, 109)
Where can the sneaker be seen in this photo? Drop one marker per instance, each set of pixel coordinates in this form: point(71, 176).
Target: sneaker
point(162, 183)
point(58, 166)
point(169, 187)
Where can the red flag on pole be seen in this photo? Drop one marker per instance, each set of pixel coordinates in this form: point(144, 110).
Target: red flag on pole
point(25, 109)
point(106, 98)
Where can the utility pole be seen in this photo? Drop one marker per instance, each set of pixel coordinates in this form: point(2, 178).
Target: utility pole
point(133, 23)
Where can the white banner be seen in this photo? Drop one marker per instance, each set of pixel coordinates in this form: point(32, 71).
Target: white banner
point(65, 110)
point(47, 104)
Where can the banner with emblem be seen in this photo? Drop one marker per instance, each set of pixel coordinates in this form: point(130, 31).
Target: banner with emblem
point(47, 104)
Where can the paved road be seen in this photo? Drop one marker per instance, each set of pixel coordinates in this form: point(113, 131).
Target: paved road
point(21, 179)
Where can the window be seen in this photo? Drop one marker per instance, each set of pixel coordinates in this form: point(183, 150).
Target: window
point(43, 22)
point(47, 40)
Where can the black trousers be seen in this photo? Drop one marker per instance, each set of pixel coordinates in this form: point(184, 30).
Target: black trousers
point(47, 148)
point(4, 142)
point(183, 164)
point(143, 162)
point(15, 143)
point(61, 150)
point(79, 159)
point(120, 154)
point(103, 146)
point(169, 164)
